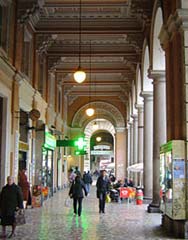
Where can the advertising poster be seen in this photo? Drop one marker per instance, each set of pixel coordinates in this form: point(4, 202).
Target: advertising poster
point(179, 168)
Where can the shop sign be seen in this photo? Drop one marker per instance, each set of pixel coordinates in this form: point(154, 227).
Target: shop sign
point(101, 152)
point(50, 141)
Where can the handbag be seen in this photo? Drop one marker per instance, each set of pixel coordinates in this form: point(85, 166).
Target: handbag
point(108, 199)
point(68, 202)
point(20, 217)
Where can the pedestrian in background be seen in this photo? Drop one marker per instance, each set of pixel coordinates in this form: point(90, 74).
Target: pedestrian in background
point(76, 192)
point(10, 200)
point(25, 186)
point(102, 189)
point(87, 179)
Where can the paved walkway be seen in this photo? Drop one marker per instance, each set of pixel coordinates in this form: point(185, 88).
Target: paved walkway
point(55, 221)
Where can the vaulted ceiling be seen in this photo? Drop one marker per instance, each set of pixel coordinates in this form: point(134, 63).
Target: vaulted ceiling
point(112, 35)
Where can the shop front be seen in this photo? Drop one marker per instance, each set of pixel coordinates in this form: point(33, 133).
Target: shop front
point(47, 178)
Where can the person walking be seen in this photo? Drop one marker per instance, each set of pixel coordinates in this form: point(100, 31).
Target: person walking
point(10, 200)
point(102, 189)
point(87, 179)
point(25, 186)
point(76, 192)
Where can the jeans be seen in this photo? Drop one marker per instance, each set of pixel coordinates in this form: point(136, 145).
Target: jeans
point(79, 202)
point(102, 199)
point(87, 186)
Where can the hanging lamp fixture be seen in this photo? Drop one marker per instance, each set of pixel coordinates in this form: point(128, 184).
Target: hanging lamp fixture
point(80, 75)
point(90, 111)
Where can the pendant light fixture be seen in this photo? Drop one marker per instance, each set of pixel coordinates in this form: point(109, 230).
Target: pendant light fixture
point(80, 75)
point(90, 111)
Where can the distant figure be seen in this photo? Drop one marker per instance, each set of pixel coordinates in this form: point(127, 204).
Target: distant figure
point(72, 176)
point(102, 189)
point(87, 179)
point(131, 183)
point(76, 192)
point(25, 186)
point(77, 172)
point(10, 199)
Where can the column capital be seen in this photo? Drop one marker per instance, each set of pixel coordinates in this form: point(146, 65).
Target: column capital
point(147, 95)
point(177, 21)
point(135, 117)
point(139, 106)
point(157, 75)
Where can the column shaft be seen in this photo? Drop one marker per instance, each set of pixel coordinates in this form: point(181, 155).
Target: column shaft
point(148, 144)
point(120, 154)
point(159, 129)
point(135, 146)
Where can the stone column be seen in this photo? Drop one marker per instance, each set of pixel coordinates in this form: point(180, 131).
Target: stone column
point(135, 145)
point(128, 147)
point(159, 130)
point(148, 144)
point(131, 147)
point(140, 137)
point(120, 153)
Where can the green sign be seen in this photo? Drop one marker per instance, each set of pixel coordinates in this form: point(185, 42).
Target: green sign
point(80, 143)
point(65, 143)
point(80, 152)
point(50, 141)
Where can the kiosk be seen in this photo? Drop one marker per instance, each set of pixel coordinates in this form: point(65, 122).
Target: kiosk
point(173, 179)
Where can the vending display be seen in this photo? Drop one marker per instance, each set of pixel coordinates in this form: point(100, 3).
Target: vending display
point(172, 179)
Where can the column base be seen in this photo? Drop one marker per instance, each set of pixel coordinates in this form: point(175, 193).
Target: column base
point(175, 228)
point(154, 208)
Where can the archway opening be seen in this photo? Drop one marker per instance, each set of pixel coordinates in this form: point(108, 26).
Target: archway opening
point(102, 151)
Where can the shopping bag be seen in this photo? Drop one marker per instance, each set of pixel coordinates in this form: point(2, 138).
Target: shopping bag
point(20, 217)
point(108, 199)
point(68, 202)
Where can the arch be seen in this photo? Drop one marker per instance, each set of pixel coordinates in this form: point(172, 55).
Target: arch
point(102, 110)
point(139, 99)
point(146, 82)
point(157, 53)
point(134, 111)
point(103, 125)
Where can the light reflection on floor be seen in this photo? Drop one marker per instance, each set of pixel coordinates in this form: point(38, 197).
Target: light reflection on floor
point(55, 221)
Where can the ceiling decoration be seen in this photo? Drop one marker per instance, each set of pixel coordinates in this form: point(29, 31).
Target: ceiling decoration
point(115, 29)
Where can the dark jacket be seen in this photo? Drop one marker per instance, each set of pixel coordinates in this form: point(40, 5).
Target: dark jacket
point(87, 178)
point(77, 187)
point(10, 199)
point(102, 185)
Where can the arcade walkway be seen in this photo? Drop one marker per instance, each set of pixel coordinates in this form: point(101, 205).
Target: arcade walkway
point(54, 221)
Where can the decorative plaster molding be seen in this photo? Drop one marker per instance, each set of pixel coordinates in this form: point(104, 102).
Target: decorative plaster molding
point(102, 109)
point(120, 129)
point(176, 22)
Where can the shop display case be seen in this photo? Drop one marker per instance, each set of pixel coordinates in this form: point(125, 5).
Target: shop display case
point(173, 179)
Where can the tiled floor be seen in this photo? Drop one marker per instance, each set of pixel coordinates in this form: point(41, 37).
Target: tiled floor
point(55, 221)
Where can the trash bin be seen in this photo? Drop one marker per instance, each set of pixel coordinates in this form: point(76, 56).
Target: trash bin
point(139, 197)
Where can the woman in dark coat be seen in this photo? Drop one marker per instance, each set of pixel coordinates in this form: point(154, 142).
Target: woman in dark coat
point(102, 189)
point(76, 192)
point(10, 199)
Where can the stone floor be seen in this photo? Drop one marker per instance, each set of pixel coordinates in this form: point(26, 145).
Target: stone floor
point(55, 221)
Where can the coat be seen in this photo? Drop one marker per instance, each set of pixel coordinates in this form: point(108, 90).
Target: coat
point(24, 184)
point(102, 185)
point(76, 190)
point(10, 199)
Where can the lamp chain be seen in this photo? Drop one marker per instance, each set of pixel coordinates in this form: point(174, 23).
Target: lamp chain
point(80, 28)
